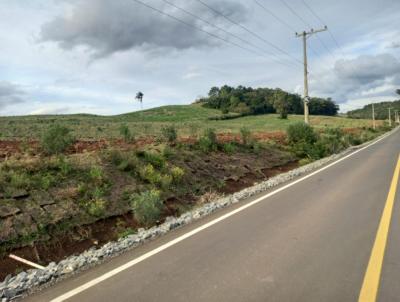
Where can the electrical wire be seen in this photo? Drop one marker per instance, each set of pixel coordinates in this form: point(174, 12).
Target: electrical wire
point(250, 32)
point(226, 31)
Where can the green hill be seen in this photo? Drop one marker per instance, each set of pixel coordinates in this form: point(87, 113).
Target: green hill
point(381, 111)
point(188, 119)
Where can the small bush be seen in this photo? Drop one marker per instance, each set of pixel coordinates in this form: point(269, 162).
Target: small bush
point(96, 207)
point(149, 174)
point(245, 135)
point(169, 134)
point(229, 148)
point(208, 142)
point(46, 181)
point(333, 140)
point(177, 174)
point(56, 140)
point(168, 152)
point(165, 181)
point(157, 160)
point(147, 207)
point(124, 161)
point(126, 133)
point(301, 133)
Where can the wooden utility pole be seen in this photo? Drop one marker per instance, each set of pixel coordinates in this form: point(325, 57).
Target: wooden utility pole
point(373, 116)
point(390, 118)
point(305, 35)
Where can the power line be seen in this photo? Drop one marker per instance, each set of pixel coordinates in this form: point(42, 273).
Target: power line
point(227, 32)
point(275, 16)
point(323, 23)
point(250, 32)
point(291, 28)
point(198, 28)
point(307, 24)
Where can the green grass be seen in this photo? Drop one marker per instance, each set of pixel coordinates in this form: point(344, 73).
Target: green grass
point(188, 120)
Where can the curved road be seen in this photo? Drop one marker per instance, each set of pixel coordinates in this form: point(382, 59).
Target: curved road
point(311, 241)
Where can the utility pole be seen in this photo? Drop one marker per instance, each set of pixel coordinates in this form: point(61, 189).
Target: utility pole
point(373, 116)
point(305, 35)
point(390, 118)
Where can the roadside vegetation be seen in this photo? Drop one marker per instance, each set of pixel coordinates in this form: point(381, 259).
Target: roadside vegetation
point(62, 194)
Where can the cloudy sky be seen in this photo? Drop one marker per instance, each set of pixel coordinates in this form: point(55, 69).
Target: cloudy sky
point(73, 56)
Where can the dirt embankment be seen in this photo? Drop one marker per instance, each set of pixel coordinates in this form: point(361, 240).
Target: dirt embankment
point(45, 225)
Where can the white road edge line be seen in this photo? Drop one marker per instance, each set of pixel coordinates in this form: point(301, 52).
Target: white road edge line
point(133, 262)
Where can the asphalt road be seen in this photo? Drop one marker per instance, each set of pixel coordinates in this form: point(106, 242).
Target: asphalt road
point(310, 242)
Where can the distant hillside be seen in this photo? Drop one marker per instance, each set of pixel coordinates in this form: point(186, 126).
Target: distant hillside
point(381, 110)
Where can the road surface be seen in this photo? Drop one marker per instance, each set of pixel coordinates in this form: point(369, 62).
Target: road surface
point(311, 241)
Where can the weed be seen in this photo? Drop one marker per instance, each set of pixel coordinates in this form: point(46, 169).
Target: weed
point(96, 174)
point(56, 139)
point(245, 135)
point(208, 142)
point(177, 174)
point(96, 207)
point(157, 160)
point(147, 207)
point(126, 133)
point(229, 148)
point(169, 134)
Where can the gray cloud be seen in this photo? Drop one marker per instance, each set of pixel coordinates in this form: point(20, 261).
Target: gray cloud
point(107, 27)
point(10, 94)
point(394, 45)
point(366, 68)
point(364, 76)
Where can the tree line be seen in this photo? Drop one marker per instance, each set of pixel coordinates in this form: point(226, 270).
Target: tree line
point(252, 101)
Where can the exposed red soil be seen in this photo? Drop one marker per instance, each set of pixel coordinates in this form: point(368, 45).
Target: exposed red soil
point(12, 147)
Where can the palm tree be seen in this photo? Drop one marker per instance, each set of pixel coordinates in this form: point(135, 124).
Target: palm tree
point(139, 97)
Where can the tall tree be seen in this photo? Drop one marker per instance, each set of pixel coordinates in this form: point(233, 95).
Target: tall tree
point(281, 103)
point(398, 91)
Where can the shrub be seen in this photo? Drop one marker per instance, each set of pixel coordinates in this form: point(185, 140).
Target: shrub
point(303, 141)
point(125, 161)
point(210, 134)
point(149, 174)
point(147, 206)
point(169, 134)
point(96, 207)
point(352, 139)
point(333, 140)
point(301, 133)
point(157, 160)
point(46, 181)
point(56, 140)
point(165, 181)
point(126, 133)
point(229, 148)
point(168, 152)
point(208, 142)
point(245, 135)
point(177, 174)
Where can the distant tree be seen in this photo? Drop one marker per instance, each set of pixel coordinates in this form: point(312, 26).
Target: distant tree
point(139, 97)
point(281, 103)
point(398, 91)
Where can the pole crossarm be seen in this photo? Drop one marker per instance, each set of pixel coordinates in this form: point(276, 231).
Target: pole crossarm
point(312, 31)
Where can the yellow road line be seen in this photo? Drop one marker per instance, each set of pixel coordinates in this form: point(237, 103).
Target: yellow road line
point(370, 285)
